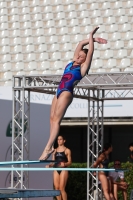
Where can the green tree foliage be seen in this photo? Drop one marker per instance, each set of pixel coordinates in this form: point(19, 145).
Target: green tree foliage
point(77, 183)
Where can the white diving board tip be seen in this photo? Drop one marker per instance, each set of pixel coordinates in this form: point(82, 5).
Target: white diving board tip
point(26, 162)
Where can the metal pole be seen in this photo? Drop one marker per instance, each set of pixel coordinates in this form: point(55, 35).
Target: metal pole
point(97, 142)
point(93, 126)
point(102, 117)
point(92, 141)
point(22, 137)
point(28, 133)
point(88, 144)
point(13, 128)
point(102, 128)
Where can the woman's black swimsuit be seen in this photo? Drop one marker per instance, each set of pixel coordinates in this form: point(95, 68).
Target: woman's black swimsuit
point(105, 164)
point(60, 157)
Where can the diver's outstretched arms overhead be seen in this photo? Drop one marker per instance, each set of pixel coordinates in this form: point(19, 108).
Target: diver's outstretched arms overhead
point(86, 65)
point(73, 73)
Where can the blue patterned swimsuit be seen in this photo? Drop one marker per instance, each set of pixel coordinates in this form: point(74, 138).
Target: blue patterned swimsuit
point(72, 75)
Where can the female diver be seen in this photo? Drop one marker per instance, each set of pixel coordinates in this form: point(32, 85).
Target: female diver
point(62, 156)
point(73, 73)
point(103, 161)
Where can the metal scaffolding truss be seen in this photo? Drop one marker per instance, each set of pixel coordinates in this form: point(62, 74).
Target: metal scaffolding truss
point(20, 136)
point(93, 87)
point(115, 86)
point(95, 142)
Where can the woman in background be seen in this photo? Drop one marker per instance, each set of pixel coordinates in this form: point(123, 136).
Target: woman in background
point(62, 156)
point(103, 162)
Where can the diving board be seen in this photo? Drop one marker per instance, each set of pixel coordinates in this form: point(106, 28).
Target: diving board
point(27, 193)
point(24, 162)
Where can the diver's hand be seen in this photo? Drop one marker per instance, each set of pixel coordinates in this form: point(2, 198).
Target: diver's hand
point(100, 40)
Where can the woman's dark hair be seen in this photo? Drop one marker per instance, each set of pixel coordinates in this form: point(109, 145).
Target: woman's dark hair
point(106, 147)
point(117, 160)
point(85, 51)
point(130, 145)
point(62, 137)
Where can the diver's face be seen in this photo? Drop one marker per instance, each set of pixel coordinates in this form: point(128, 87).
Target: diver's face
point(81, 57)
